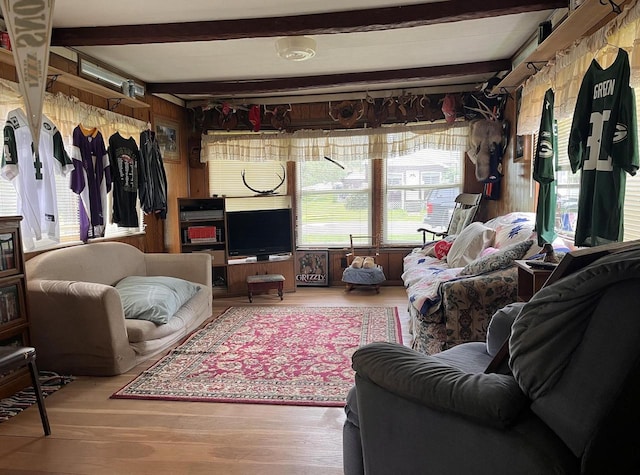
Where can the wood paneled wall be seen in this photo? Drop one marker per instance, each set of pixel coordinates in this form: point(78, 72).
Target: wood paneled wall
point(177, 171)
point(188, 177)
point(517, 191)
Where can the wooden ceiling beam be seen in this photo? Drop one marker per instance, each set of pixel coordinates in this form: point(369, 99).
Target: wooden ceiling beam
point(222, 88)
point(374, 19)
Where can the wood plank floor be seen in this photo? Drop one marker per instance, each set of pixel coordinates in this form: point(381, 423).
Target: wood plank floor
point(92, 434)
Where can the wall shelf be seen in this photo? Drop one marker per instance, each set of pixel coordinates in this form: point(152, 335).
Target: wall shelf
point(578, 24)
point(6, 57)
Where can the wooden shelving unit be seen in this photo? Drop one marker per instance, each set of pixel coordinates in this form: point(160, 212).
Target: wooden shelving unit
point(14, 318)
point(195, 213)
point(6, 57)
point(229, 275)
point(578, 24)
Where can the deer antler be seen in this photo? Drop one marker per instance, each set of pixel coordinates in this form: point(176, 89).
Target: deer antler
point(348, 112)
point(335, 119)
point(280, 110)
point(483, 110)
point(265, 192)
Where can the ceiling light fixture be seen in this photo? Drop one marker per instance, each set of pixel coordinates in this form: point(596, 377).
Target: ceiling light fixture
point(296, 48)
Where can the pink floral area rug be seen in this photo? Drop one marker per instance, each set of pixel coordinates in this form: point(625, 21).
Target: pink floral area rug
point(268, 355)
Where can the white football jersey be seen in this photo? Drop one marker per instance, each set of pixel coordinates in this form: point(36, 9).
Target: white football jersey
point(33, 175)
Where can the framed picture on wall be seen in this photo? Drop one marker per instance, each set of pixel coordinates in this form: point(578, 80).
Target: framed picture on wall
point(167, 133)
point(312, 268)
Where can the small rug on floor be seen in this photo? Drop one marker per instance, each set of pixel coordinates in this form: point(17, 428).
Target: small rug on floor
point(50, 382)
point(268, 355)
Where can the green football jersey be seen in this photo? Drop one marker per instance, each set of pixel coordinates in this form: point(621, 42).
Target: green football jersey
point(603, 144)
point(543, 172)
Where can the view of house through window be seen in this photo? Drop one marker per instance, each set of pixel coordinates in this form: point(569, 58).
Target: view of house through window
point(333, 202)
point(420, 189)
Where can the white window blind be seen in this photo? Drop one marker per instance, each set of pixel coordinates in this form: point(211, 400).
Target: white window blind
point(226, 179)
point(632, 195)
point(68, 201)
point(333, 202)
point(568, 185)
point(419, 189)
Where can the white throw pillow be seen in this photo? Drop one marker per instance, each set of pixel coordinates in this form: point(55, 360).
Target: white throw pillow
point(460, 220)
point(154, 298)
point(468, 245)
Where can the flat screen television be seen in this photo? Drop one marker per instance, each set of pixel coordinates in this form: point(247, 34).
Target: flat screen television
point(259, 233)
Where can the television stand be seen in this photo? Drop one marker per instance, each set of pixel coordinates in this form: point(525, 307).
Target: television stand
point(239, 269)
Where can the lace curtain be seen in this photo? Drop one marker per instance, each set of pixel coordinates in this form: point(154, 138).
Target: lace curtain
point(565, 72)
point(340, 145)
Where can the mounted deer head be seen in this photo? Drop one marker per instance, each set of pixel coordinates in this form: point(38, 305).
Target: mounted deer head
point(265, 192)
point(487, 139)
point(430, 109)
point(407, 107)
point(280, 116)
point(377, 110)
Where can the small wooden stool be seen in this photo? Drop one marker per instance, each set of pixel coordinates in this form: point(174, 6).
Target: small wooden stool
point(264, 282)
point(16, 357)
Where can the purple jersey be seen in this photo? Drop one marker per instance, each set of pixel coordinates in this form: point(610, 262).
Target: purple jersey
point(91, 179)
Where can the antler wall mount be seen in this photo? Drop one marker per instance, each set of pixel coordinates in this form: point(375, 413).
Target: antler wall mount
point(281, 118)
point(265, 192)
point(346, 112)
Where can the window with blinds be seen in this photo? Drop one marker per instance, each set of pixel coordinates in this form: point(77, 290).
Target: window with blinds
point(333, 202)
point(68, 202)
point(419, 191)
point(234, 180)
point(632, 196)
point(568, 185)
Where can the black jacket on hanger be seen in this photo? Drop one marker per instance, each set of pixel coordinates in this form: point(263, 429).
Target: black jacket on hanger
point(153, 179)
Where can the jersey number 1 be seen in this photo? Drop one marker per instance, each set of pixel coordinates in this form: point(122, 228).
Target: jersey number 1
point(594, 142)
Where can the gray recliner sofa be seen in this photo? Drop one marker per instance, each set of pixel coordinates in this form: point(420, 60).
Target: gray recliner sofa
point(566, 403)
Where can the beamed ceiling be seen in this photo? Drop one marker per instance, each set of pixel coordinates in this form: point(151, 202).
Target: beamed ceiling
point(198, 51)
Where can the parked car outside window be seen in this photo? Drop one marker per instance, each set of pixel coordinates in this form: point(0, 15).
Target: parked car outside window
point(439, 208)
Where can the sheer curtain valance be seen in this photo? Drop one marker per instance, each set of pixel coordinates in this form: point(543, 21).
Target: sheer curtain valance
point(67, 112)
point(565, 72)
point(340, 145)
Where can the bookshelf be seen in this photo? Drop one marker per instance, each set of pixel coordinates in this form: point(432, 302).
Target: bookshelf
point(14, 319)
point(203, 229)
